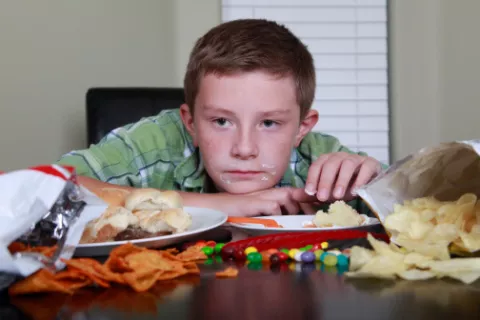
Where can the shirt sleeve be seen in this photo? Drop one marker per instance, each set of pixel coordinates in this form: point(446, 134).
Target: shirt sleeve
point(114, 160)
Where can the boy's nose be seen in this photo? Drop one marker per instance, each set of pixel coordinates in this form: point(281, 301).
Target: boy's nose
point(245, 147)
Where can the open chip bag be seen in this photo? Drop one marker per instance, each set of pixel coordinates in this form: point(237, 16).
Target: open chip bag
point(43, 209)
point(429, 204)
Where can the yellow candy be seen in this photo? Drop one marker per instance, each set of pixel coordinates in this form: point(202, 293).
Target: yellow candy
point(324, 245)
point(250, 250)
point(292, 253)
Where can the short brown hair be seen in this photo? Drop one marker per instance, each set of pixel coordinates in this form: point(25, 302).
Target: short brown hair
point(248, 45)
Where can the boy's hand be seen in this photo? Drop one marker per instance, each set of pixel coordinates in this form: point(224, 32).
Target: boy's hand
point(276, 201)
point(334, 176)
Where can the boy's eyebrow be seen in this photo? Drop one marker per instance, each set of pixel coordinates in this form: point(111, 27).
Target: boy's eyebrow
point(217, 109)
point(263, 114)
point(277, 112)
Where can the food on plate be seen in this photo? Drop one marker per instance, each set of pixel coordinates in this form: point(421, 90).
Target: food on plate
point(429, 225)
point(339, 214)
point(106, 227)
point(152, 199)
point(112, 196)
point(388, 261)
point(128, 265)
point(147, 213)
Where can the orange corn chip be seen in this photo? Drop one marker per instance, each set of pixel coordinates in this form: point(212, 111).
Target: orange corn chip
point(93, 270)
point(143, 283)
point(230, 272)
point(116, 262)
point(15, 247)
point(193, 253)
point(191, 267)
point(45, 281)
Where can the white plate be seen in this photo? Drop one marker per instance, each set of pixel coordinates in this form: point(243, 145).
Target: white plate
point(203, 220)
point(295, 224)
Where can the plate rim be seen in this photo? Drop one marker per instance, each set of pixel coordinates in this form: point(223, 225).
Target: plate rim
point(254, 228)
point(223, 218)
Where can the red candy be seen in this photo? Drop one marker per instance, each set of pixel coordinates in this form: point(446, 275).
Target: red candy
point(282, 256)
point(239, 255)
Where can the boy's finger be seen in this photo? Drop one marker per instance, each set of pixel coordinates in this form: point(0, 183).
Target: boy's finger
point(369, 169)
point(344, 179)
point(327, 177)
point(291, 208)
point(299, 195)
point(265, 207)
point(314, 174)
point(307, 208)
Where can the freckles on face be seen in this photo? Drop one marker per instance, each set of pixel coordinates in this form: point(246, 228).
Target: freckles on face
point(245, 128)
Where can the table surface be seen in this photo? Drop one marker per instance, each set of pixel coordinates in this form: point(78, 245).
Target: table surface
point(292, 291)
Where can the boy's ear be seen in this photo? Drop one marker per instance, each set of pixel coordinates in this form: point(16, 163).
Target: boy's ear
point(306, 125)
point(187, 119)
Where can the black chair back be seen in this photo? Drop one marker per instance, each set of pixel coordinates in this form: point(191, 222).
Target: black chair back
point(110, 108)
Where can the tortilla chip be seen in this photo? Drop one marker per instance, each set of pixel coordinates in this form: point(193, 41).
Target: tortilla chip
point(229, 272)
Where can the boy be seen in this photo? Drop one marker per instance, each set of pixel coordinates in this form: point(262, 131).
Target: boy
point(242, 142)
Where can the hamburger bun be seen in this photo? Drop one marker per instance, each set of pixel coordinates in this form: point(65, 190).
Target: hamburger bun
point(106, 227)
point(113, 196)
point(152, 199)
point(170, 220)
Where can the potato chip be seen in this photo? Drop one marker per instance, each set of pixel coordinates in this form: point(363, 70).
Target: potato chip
point(143, 283)
point(359, 257)
point(415, 274)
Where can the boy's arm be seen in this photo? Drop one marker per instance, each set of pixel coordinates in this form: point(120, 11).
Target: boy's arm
point(268, 202)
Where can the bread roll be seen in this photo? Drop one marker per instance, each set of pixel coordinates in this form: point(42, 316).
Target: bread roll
point(152, 199)
point(112, 196)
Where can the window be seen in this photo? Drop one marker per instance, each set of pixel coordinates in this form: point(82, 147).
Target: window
point(348, 39)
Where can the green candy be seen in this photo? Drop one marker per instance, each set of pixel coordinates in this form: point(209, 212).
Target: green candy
point(285, 250)
point(302, 249)
point(318, 254)
point(208, 262)
point(254, 257)
point(254, 266)
point(308, 247)
point(218, 247)
point(207, 250)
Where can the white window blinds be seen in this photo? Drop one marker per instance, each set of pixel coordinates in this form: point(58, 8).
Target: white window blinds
point(348, 39)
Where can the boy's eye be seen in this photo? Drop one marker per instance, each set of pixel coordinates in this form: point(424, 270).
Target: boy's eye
point(221, 122)
point(269, 123)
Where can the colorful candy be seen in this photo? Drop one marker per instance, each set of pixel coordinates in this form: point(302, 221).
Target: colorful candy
point(292, 253)
point(254, 256)
point(250, 250)
point(207, 250)
point(314, 255)
point(218, 247)
point(307, 257)
point(330, 260)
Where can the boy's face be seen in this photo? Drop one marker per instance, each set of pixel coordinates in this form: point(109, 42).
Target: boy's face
point(246, 126)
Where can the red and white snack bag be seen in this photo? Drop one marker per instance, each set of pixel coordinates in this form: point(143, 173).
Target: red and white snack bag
point(43, 206)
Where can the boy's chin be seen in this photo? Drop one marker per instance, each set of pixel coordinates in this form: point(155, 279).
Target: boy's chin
point(243, 187)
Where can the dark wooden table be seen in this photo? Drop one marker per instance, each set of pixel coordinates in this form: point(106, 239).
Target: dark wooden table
point(293, 291)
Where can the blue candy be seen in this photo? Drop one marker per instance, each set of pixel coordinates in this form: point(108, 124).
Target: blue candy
point(342, 260)
point(308, 256)
point(323, 255)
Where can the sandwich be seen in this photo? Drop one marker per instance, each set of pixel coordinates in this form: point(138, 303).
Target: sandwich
point(152, 199)
point(112, 196)
point(146, 213)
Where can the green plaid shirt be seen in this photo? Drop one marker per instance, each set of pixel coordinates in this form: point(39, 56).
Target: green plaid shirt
point(157, 152)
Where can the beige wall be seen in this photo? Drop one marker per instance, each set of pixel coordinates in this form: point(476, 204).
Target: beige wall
point(52, 51)
point(435, 72)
